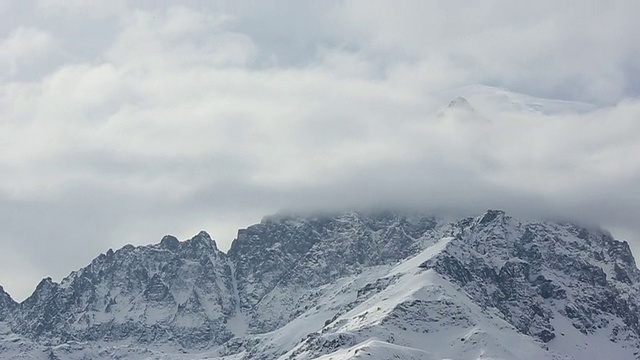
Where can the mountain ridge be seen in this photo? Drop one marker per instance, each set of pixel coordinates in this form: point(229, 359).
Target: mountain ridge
point(325, 276)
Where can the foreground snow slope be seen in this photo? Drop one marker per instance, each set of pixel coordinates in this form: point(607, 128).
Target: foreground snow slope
point(418, 312)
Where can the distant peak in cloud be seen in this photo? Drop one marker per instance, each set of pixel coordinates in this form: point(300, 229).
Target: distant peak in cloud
point(490, 99)
point(460, 103)
point(460, 109)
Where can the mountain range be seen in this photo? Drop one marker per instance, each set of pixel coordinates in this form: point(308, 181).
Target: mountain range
point(352, 285)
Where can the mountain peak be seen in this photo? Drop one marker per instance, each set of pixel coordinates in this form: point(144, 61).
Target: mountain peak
point(205, 235)
point(460, 103)
point(491, 215)
point(460, 109)
point(6, 302)
point(46, 283)
point(170, 242)
point(202, 239)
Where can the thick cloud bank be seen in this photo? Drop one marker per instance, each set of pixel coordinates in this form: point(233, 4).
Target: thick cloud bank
point(156, 120)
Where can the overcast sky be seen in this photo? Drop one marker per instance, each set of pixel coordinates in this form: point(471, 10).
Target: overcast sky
point(120, 124)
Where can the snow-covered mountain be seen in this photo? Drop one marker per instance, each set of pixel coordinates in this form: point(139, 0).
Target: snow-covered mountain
point(175, 292)
point(353, 285)
point(495, 100)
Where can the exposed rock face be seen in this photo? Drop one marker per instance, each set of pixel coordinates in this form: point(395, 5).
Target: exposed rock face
point(7, 304)
point(283, 260)
point(172, 291)
point(535, 272)
point(300, 287)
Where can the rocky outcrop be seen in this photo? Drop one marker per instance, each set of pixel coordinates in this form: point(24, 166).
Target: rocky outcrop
point(180, 292)
point(7, 304)
point(533, 272)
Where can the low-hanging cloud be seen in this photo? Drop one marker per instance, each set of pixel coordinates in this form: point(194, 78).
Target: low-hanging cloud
point(189, 117)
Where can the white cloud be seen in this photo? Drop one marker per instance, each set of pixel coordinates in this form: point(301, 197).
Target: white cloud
point(24, 48)
point(181, 119)
point(577, 52)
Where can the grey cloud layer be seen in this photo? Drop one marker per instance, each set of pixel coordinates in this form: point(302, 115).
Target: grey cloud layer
point(173, 120)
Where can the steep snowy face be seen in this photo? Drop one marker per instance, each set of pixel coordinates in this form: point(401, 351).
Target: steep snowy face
point(537, 274)
point(498, 288)
point(178, 292)
point(7, 304)
point(280, 262)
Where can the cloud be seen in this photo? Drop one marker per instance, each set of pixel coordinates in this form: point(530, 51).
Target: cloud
point(549, 49)
point(23, 50)
point(171, 120)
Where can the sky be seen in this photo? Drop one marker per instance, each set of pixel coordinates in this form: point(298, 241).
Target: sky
point(121, 121)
